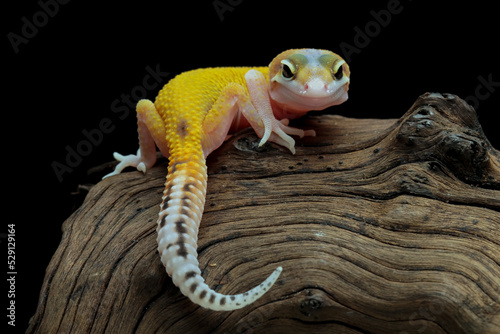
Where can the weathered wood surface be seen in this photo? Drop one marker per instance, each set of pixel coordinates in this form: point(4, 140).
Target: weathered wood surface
point(381, 226)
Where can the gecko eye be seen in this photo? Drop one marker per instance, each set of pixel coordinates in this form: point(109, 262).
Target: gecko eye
point(287, 70)
point(339, 74)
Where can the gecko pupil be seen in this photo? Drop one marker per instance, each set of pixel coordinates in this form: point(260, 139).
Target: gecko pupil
point(287, 72)
point(339, 73)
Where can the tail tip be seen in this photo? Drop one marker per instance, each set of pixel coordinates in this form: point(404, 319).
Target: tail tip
point(275, 275)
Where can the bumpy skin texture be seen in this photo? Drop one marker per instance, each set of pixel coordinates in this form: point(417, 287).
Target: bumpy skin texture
point(192, 116)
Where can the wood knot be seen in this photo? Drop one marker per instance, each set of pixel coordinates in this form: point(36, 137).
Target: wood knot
point(451, 107)
point(464, 154)
point(464, 148)
point(250, 143)
point(311, 304)
point(444, 128)
point(418, 126)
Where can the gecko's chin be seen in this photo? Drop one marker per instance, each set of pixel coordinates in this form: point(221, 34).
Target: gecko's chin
point(301, 101)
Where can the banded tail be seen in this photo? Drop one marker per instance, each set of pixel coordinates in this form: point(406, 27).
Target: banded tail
point(178, 223)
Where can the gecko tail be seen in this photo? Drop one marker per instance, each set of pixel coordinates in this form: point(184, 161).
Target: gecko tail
point(181, 263)
point(178, 223)
point(201, 294)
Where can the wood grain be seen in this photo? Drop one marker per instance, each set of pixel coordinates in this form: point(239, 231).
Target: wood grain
point(381, 226)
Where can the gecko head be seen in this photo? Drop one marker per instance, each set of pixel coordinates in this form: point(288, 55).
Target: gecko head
point(308, 79)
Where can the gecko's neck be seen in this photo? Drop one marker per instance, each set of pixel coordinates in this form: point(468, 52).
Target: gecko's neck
point(281, 111)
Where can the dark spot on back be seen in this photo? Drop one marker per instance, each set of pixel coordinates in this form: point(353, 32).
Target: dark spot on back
point(193, 287)
point(223, 301)
point(212, 298)
point(232, 297)
point(182, 128)
point(203, 294)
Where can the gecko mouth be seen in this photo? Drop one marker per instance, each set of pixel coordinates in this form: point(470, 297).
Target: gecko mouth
point(311, 96)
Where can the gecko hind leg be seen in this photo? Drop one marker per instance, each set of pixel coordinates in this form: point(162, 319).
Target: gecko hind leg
point(151, 130)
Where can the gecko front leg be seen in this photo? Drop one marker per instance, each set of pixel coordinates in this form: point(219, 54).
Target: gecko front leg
point(261, 116)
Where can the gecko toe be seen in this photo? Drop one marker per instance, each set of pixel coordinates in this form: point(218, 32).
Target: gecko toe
point(118, 156)
point(310, 133)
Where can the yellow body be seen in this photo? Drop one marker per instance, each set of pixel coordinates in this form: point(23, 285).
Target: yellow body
point(189, 104)
point(183, 104)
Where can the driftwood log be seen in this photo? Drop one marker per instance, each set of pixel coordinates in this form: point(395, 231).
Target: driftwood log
point(381, 226)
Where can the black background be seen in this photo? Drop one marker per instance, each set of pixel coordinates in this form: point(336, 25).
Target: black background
point(64, 80)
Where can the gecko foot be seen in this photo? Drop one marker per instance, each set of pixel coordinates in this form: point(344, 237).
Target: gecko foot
point(278, 132)
point(131, 160)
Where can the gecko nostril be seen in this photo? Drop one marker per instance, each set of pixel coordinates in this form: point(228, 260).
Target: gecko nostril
point(306, 86)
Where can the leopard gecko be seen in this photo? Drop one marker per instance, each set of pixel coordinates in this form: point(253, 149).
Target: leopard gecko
point(193, 115)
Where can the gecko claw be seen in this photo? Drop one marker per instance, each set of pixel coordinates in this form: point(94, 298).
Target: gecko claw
point(279, 132)
point(265, 138)
point(141, 167)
